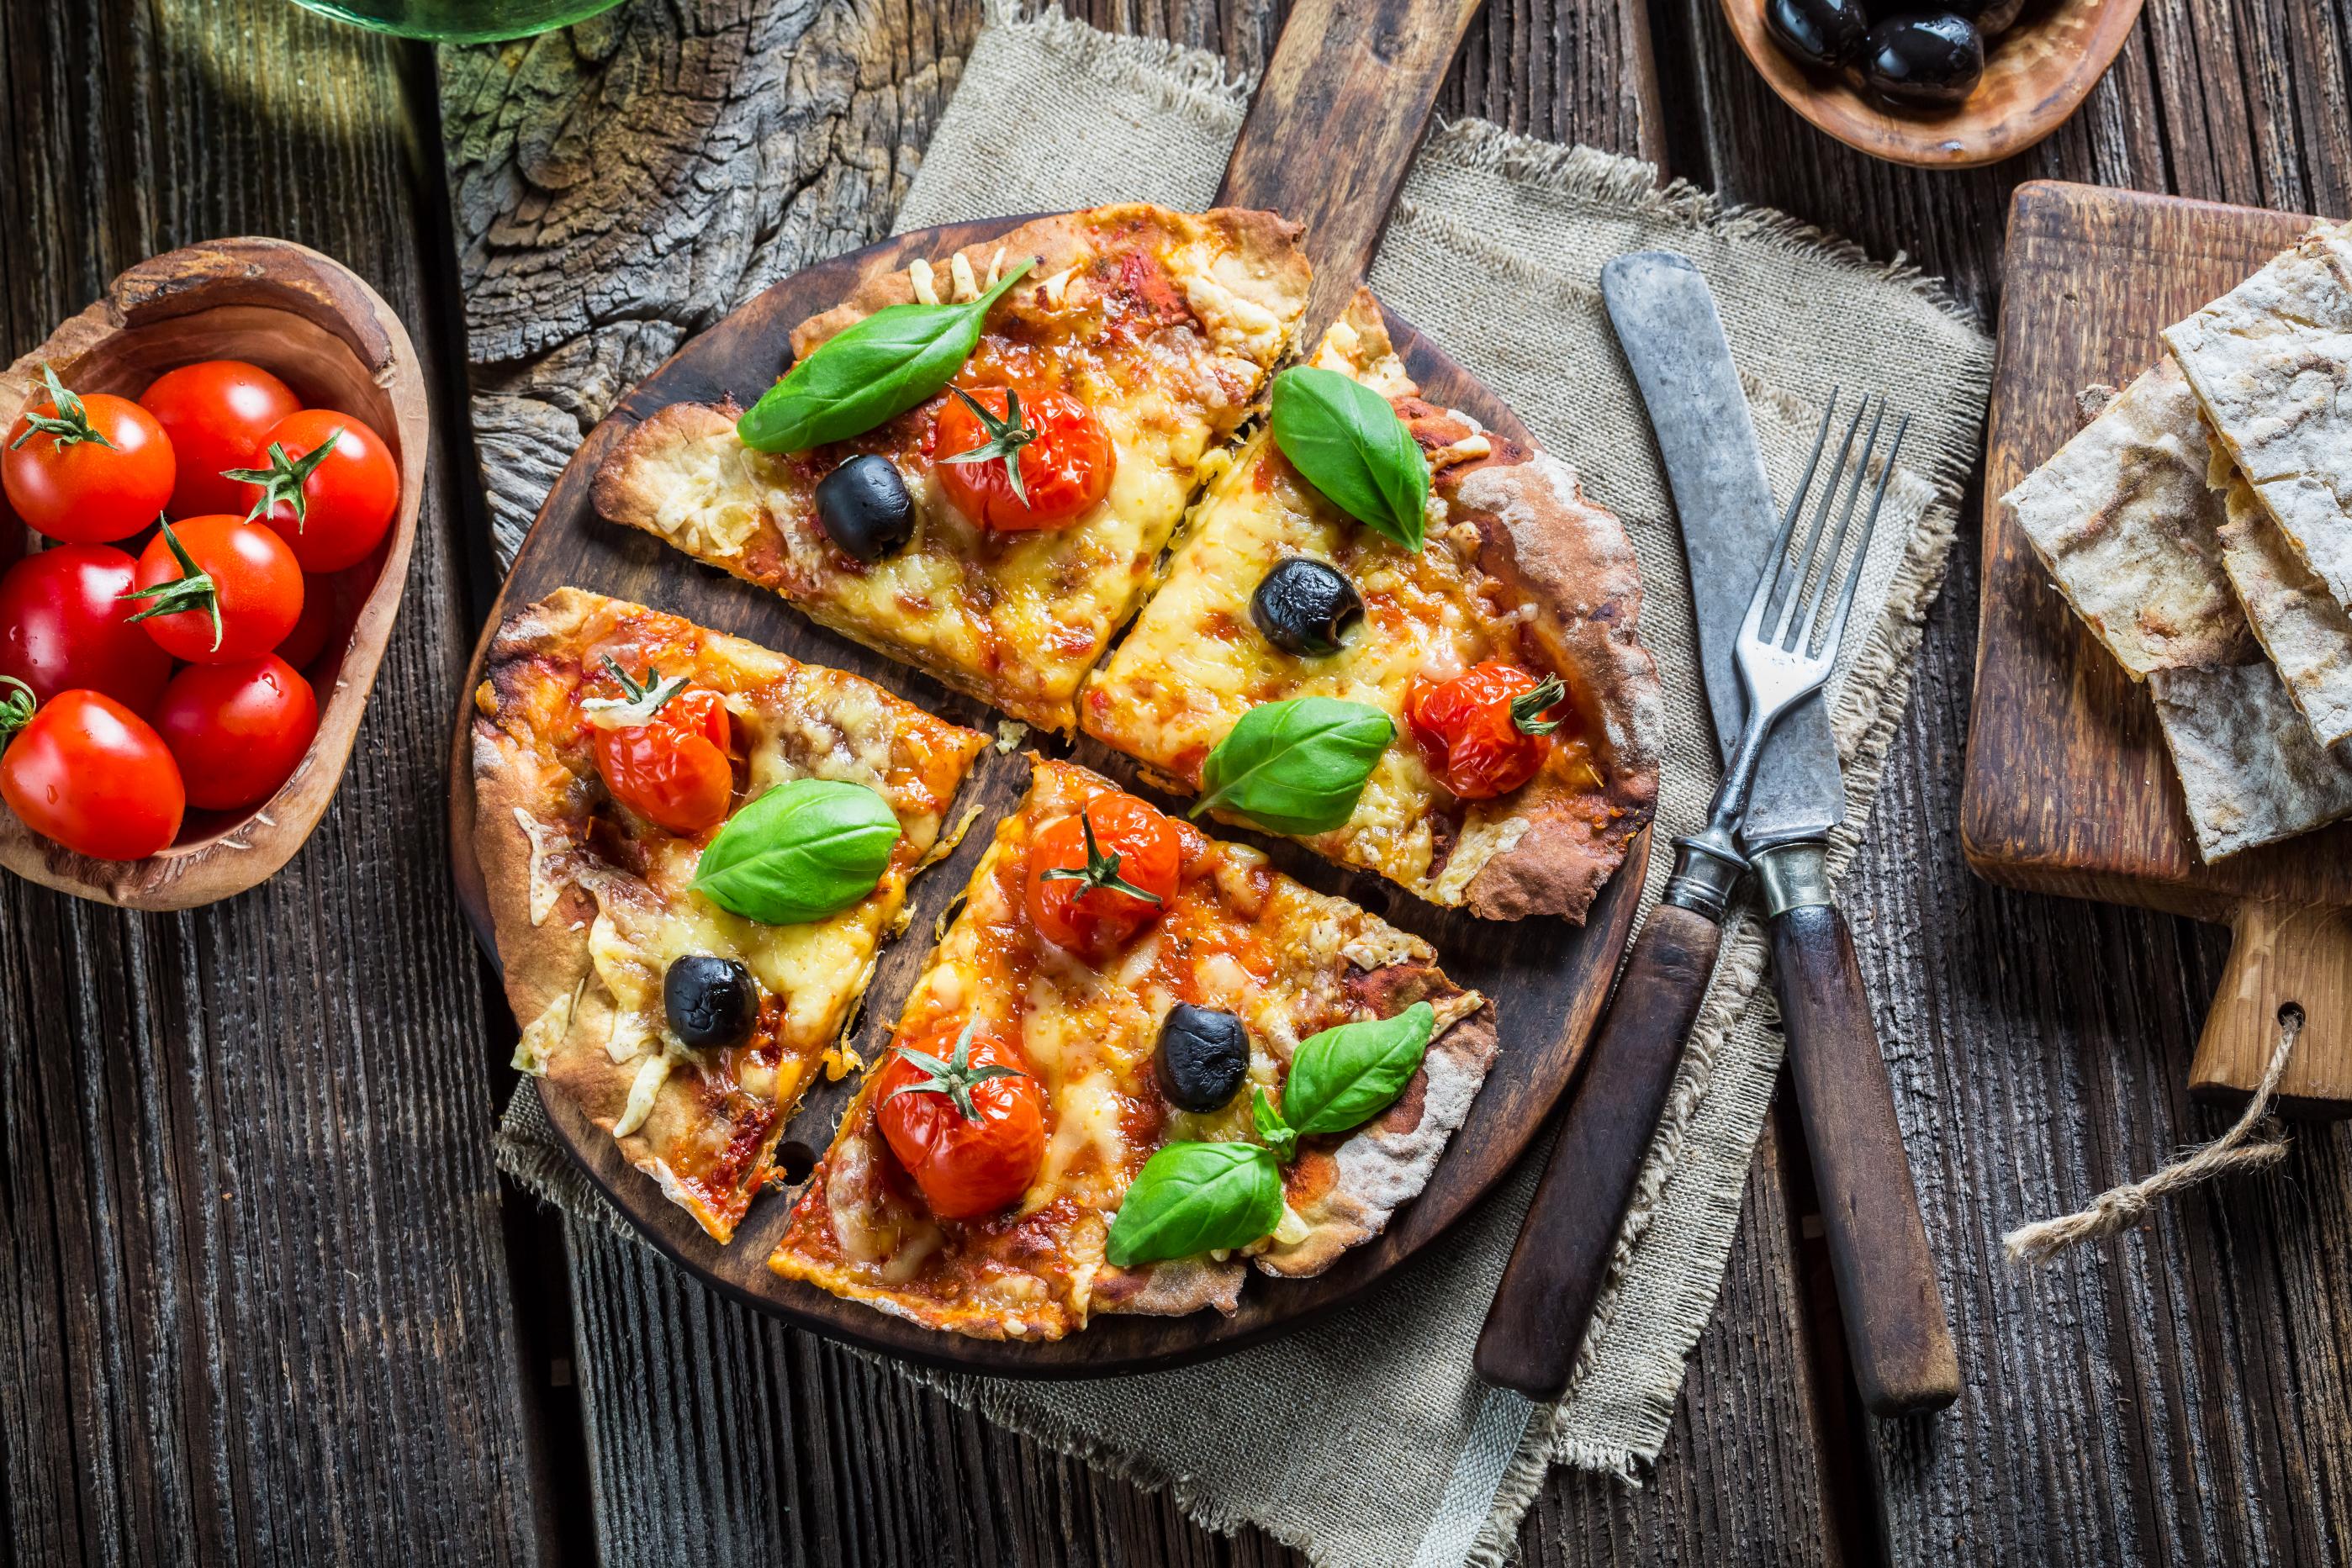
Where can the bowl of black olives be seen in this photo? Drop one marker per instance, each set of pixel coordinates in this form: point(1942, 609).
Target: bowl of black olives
point(1937, 83)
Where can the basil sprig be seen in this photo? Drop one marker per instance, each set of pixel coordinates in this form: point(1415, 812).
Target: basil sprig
point(1196, 1198)
point(1347, 443)
point(1298, 766)
point(799, 853)
point(873, 371)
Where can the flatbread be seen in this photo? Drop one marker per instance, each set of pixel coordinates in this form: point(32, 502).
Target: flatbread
point(2128, 528)
point(2272, 362)
point(2251, 767)
point(2306, 633)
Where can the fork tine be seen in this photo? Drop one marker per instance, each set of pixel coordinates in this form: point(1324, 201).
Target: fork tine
point(1826, 584)
point(1768, 580)
point(1861, 552)
point(1803, 565)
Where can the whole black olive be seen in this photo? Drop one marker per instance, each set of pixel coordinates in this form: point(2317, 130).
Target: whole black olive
point(1203, 1058)
point(1991, 17)
point(708, 1000)
point(1305, 606)
point(1923, 62)
point(1822, 33)
point(865, 508)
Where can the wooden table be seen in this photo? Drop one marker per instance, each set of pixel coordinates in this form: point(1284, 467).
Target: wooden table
point(268, 1299)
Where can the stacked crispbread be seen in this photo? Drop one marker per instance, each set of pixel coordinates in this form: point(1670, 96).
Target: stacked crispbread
point(2201, 527)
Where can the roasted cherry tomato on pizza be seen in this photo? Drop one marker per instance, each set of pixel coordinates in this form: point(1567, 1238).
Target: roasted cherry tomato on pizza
point(64, 623)
point(1099, 877)
point(85, 470)
point(663, 748)
point(237, 730)
point(88, 772)
point(1486, 731)
point(962, 1114)
point(217, 589)
point(326, 482)
point(1021, 461)
point(218, 413)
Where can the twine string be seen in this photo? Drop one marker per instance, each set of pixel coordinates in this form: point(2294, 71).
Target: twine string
point(2254, 1142)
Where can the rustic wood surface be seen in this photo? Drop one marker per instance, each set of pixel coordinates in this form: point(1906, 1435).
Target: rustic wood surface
point(354, 1353)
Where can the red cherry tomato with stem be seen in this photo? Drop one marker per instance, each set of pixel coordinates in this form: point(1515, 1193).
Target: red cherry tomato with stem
point(327, 486)
point(663, 748)
point(217, 589)
point(965, 1119)
point(1486, 731)
point(218, 413)
point(1097, 877)
point(64, 623)
point(87, 771)
point(1018, 462)
point(86, 469)
point(237, 730)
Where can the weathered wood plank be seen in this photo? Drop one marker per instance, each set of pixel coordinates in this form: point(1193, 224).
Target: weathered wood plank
point(719, 1436)
point(256, 1305)
point(2175, 1395)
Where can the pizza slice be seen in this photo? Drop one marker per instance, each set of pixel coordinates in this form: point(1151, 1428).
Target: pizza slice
point(1504, 705)
point(998, 531)
point(692, 848)
point(1139, 1061)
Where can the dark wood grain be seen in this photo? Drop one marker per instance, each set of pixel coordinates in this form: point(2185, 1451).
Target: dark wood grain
point(1560, 1260)
point(257, 1304)
point(1898, 1340)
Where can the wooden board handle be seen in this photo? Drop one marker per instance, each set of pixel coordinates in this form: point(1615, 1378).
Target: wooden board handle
point(1897, 1335)
point(2283, 955)
point(1561, 1258)
point(1334, 126)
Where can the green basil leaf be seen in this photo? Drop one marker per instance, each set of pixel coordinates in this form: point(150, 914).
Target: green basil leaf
point(1346, 1076)
point(799, 853)
point(1296, 766)
point(873, 371)
point(1279, 1133)
point(1349, 443)
point(1196, 1198)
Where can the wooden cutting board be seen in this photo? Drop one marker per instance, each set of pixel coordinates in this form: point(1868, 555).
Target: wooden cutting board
point(2069, 789)
point(1325, 142)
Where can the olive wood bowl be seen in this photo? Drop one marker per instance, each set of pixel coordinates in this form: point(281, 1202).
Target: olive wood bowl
point(314, 324)
point(2036, 75)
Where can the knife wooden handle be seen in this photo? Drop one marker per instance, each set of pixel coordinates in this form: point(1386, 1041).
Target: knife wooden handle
point(1561, 1259)
point(1896, 1336)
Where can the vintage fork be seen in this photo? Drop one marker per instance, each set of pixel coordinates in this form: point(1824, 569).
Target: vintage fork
point(1787, 647)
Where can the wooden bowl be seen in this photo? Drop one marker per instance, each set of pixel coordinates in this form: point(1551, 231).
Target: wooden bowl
point(2036, 75)
point(329, 336)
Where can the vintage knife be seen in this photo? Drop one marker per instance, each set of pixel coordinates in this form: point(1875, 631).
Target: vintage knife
point(1899, 1343)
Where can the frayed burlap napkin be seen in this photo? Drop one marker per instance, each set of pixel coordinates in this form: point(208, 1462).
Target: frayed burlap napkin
point(1365, 1440)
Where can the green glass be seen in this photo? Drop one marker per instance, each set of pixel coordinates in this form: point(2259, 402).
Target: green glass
point(461, 21)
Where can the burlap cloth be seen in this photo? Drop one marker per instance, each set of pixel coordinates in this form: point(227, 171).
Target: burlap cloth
point(1365, 1440)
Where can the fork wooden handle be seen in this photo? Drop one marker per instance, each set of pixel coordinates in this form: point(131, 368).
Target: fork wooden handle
point(1561, 1259)
point(1896, 1336)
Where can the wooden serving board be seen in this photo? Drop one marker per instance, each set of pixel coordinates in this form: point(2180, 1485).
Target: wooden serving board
point(1325, 142)
point(2069, 789)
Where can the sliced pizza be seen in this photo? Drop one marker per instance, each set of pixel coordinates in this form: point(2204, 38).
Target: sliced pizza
point(1488, 653)
point(692, 848)
point(1000, 529)
point(1139, 1060)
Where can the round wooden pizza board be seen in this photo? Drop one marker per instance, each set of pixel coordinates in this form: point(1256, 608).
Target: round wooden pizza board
point(1347, 94)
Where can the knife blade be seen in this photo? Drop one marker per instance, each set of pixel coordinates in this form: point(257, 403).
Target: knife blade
point(1897, 1338)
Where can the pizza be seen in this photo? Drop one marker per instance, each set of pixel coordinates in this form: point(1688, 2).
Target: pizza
point(1127, 1024)
point(1504, 653)
point(999, 531)
point(692, 849)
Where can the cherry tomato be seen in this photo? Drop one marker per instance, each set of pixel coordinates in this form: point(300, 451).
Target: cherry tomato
point(961, 1110)
point(218, 413)
point(327, 484)
point(87, 771)
point(673, 767)
point(64, 623)
point(217, 589)
point(1486, 731)
point(237, 730)
point(85, 470)
point(1065, 457)
point(1098, 877)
